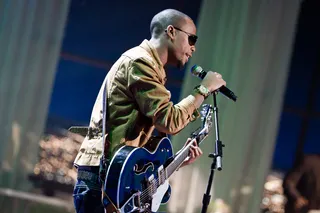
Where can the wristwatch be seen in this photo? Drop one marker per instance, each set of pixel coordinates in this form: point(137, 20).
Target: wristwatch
point(202, 90)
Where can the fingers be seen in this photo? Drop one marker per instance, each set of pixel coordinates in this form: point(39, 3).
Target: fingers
point(218, 75)
point(195, 151)
point(192, 153)
point(301, 202)
point(213, 81)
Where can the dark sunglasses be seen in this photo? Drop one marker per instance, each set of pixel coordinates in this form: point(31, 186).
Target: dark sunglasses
point(192, 39)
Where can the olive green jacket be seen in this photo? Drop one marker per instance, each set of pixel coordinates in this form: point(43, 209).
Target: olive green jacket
point(138, 102)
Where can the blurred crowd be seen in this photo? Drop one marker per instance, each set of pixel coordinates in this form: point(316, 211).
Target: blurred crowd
point(273, 199)
point(55, 171)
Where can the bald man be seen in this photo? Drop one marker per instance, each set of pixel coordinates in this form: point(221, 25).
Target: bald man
point(138, 101)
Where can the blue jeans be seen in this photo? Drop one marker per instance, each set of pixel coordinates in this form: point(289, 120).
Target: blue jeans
point(87, 191)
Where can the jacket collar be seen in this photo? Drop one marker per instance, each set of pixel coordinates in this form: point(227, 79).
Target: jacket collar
point(154, 54)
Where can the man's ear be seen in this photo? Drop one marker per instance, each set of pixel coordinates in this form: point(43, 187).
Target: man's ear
point(170, 31)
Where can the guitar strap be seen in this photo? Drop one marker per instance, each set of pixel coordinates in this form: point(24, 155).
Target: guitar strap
point(105, 159)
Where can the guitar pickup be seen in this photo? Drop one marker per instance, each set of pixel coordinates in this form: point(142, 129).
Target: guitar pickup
point(152, 184)
point(161, 175)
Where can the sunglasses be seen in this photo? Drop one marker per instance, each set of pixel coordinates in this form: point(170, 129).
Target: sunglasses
point(192, 39)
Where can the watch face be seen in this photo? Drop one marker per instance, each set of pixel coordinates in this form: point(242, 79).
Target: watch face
point(203, 90)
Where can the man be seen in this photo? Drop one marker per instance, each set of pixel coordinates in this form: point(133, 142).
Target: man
point(302, 185)
point(138, 101)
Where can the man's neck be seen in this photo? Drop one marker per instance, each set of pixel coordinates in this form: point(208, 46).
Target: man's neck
point(161, 49)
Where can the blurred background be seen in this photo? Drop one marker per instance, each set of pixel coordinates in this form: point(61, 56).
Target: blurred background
point(54, 56)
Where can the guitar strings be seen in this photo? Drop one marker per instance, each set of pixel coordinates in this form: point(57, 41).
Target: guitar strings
point(145, 194)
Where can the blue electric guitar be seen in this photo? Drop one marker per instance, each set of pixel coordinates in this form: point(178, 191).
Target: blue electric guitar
point(137, 178)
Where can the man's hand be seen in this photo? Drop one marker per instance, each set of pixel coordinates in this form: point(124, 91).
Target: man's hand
point(213, 81)
point(195, 153)
point(300, 203)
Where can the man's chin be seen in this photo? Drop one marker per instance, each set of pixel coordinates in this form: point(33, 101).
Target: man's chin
point(180, 65)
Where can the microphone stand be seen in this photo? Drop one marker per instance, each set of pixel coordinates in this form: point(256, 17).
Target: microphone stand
point(216, 158)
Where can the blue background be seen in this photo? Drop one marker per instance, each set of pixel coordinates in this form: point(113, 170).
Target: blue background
point(98, 31)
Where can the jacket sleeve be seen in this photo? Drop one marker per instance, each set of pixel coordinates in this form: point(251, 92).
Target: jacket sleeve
point(153, 99)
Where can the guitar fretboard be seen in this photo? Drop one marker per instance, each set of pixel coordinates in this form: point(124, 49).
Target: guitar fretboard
point(180, 157)
point(175, 164)
point(183, 153)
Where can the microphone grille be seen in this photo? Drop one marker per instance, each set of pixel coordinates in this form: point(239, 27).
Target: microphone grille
point(196, 70)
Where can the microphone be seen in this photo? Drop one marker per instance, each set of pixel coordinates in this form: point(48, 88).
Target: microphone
point(198, 71)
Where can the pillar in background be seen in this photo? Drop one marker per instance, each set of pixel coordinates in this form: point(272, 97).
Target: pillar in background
point(31, 32)
point(249, 42)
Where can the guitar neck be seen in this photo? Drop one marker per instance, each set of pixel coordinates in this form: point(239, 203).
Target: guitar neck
point(184, 153)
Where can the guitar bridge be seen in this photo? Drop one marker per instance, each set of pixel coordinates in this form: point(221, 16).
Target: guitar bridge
point(133, 204)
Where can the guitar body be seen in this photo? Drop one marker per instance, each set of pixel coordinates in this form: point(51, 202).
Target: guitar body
point(132, 177)
point(137, 178)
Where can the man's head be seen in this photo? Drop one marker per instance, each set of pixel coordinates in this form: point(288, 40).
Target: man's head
point(177, 33)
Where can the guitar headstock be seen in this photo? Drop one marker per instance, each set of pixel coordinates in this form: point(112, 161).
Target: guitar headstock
point(206, 116)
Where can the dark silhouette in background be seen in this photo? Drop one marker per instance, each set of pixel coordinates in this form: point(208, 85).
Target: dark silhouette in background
point(302, 185)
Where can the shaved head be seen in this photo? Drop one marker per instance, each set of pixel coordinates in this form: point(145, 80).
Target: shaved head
point(173, 34)
point(164, 18)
